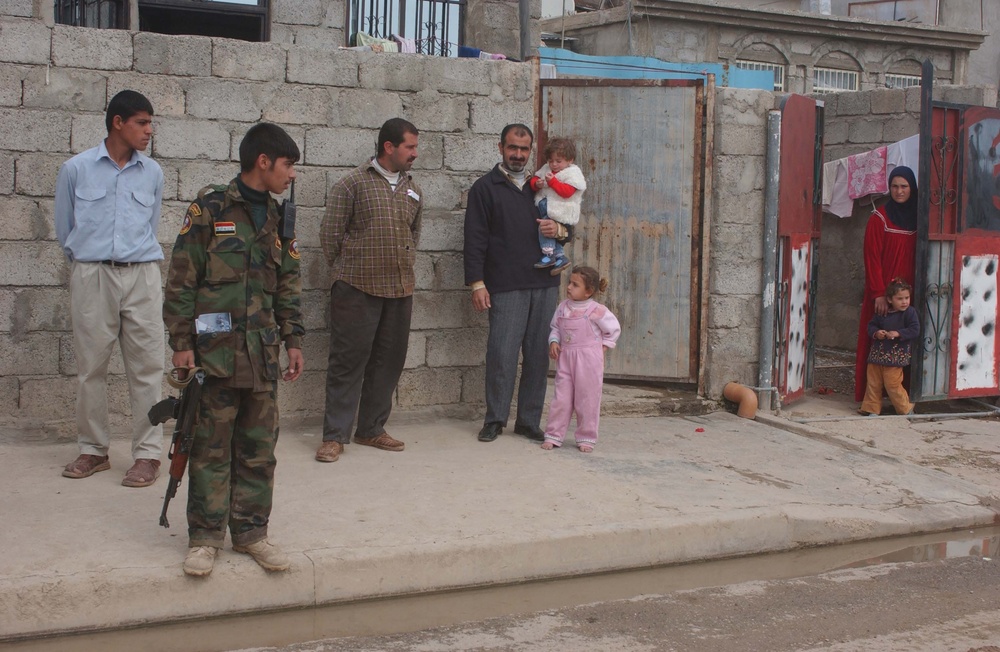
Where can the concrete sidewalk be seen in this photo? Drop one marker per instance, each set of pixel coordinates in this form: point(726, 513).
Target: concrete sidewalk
point(453, 512)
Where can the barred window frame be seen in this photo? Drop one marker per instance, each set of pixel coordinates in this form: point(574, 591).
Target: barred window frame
point(834, 75)
point(437, 27)
point(777, 68)
point(900, 80)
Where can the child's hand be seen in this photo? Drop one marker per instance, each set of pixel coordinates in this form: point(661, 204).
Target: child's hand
point(879, 335)
point(549, 176)
point(892, 335)
point(606, 349)
point(554, 350)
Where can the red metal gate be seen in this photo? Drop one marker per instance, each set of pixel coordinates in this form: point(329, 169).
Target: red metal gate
point(798, 243)
point(957, 252)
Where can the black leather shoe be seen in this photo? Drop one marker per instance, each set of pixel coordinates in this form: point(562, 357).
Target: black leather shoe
point(490, 431)
point(532, 433)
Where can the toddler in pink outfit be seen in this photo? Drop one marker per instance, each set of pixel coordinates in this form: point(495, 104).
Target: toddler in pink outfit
point(582, 330)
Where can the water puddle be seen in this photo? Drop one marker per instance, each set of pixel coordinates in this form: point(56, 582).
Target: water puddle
point(412, 613)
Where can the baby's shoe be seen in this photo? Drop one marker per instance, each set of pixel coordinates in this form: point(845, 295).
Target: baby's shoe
point(546, 261)
point(559, 265)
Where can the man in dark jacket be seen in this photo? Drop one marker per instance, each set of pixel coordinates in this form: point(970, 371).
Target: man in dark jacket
point(501, 248)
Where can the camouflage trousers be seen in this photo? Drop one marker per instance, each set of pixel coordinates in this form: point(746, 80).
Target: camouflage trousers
point(231, 466)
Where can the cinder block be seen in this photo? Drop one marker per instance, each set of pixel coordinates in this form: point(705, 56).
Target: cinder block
point(283, 34)
point(464, 347)
point(47, 397)
point(425, 386)
point(191, 139)
point(295, 104)
point(33, 353)
point(298, 12)
point(307, 394)
point(9, 391)
point(430, 150)
point(6, 173)
point(435, 310)
point(449, 271)
point(735, 276)
point(34, 264)
point(235, 59)
point(65, 88)
point(89, 129)
point(339, 147)
point(736, 139)
point(743, 106)
point(899, 127)
point(228, 100)
point(34, 309)
point(854, 103)
point(22, 218)
point(738, 241)
point(162, 54)
point(738, 175)
point(315, 316)
point(314, 270)
point(512, 82)
point(195, 175)
point(325, 67)
point(166, 94)
point(735, 344)
point(489, 117)
point(729, 312)
point(366, 109)
point(470, 153)
point(474, 385)
point(865, 131)
point(320, 38)
point(97, 49)
point(20, 8)
point(442, 232)
point(418, 72)
point(435, 111)
point(169, 180)
point(307, 226)
point(36, 173)
point(442, 190)
point(913, 100)
point(890, 100)
point(11, 80)
point(835, 133)
point(416, 350)
point(24, 41)
point(423, 269)
point(34, 130)
point(171, 219)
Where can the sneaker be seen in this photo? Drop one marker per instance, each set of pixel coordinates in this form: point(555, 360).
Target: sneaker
point(546, 261)
point(560, 264)
point(142, 474)
point(200, 560)
point(86, 466)
point(269, 556)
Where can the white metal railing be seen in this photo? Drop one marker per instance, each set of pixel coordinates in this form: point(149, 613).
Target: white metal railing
point(832, 80)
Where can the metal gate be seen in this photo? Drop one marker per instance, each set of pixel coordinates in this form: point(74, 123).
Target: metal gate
point(799, 213)
point(958, 247)
point(641, 145)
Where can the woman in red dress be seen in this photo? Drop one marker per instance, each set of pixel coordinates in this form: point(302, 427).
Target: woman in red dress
point(890, 251)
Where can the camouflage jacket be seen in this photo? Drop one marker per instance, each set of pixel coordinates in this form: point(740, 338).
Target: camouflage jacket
point(222, 264)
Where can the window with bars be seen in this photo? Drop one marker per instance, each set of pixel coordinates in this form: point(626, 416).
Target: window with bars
point(108, 14)
point(831, 80)
point(248, 20)
point(436, 26)
point(893, 80)
point(777, 69)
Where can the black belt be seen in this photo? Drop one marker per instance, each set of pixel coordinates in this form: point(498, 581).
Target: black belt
point(115, 263)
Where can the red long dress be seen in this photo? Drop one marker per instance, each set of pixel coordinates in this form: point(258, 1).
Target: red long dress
point(889, 252)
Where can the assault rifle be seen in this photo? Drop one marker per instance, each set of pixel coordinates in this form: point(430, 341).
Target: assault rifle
point(184, 410)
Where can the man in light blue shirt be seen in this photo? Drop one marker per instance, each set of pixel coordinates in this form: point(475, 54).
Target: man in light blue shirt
point(107, 208)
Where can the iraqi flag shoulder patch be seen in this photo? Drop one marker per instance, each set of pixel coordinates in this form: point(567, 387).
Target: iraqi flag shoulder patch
point(225, 228)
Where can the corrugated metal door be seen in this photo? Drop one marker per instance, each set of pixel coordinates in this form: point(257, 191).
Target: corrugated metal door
point(640, 145)
point(799, 215)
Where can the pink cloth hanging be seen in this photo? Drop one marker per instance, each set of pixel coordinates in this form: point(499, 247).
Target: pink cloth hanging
point(866, 173)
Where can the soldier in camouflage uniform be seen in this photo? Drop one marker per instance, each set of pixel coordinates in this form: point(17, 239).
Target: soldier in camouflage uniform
point(232, 296)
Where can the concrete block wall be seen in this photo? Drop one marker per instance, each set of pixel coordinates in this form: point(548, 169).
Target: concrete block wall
point(736, 249)
point(854, 123)
point(55, 82)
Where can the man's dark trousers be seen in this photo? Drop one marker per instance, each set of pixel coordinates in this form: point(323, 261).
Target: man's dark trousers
point(519, 323)
point(368, 341)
